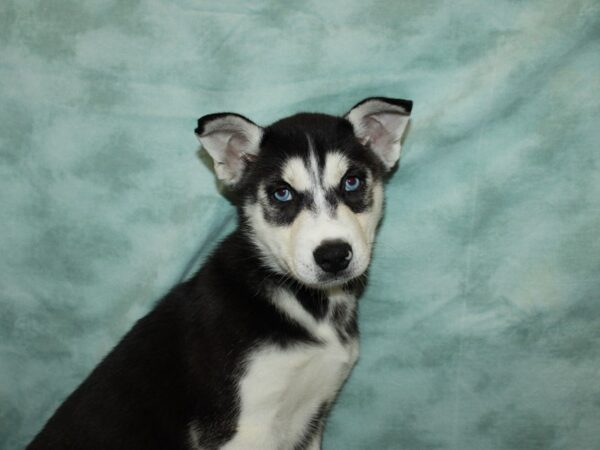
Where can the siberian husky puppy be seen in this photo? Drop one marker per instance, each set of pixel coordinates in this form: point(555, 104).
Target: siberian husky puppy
point(251, 352)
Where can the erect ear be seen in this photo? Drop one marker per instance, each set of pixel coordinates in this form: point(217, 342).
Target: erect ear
point(379, 123)
point(232, 141)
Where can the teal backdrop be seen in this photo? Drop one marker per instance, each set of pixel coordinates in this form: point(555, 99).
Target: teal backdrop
point(481, 322)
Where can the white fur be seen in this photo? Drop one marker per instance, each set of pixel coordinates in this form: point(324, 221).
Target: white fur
point(309, 230)
point(296, 174)
point(336, 166)
point(289, 249)
point(283, 389)
point(369, 220)
point(317, 190)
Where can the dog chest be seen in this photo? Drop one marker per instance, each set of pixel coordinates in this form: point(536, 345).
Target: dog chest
point(284, 389)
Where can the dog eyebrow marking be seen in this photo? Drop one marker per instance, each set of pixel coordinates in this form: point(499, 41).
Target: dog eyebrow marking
point(336, 166)
point(296, 174)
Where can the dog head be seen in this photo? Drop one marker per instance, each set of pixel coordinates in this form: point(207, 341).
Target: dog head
point(310, 186)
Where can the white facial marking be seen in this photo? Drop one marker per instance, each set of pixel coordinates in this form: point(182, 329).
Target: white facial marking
point(309, 231)
point(320, 203)
point(336, 166)
point(296, 174)
point(289, 249)
point(370, 219)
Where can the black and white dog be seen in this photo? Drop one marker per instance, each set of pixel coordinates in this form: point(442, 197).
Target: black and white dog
point(251, 352)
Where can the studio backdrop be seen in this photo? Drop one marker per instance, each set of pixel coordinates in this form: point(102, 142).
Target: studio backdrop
point(480, 326)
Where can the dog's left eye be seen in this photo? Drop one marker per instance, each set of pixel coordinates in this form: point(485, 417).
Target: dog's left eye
point(351, 183)
point(282, 195)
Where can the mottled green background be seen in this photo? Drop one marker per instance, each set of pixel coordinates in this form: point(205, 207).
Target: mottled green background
point(481, 324)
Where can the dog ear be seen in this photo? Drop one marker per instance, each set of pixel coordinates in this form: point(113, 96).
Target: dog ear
point(379, 123)
point(232, 141)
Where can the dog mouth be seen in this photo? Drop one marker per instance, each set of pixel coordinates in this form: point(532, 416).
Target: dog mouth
point(326, 280)
point(341, 276)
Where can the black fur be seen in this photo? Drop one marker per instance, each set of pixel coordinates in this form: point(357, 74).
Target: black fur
point(210, 117)
point(181, 362)
point(406, 104)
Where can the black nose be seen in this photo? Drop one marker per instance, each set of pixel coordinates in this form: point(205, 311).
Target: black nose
point(333, 256)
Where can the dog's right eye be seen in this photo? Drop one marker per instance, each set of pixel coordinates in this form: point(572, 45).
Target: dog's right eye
point(282, 195)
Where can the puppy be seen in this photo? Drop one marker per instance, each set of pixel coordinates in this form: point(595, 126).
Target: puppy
point(251, 352)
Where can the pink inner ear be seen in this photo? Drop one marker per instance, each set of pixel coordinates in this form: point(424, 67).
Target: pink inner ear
point(235, 147)
point(232, 142)
point(380, 124)
point(237, 143)
point(374, 131)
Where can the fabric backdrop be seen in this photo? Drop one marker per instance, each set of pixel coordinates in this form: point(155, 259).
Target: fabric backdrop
point(481, 323)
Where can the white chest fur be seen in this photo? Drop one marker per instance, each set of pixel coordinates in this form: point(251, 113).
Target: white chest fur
point(283, 389)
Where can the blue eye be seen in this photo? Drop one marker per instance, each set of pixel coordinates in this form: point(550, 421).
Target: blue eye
point(351, 183)
point(282, 195)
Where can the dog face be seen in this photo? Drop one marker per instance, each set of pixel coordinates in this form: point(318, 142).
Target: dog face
point(310, 185)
